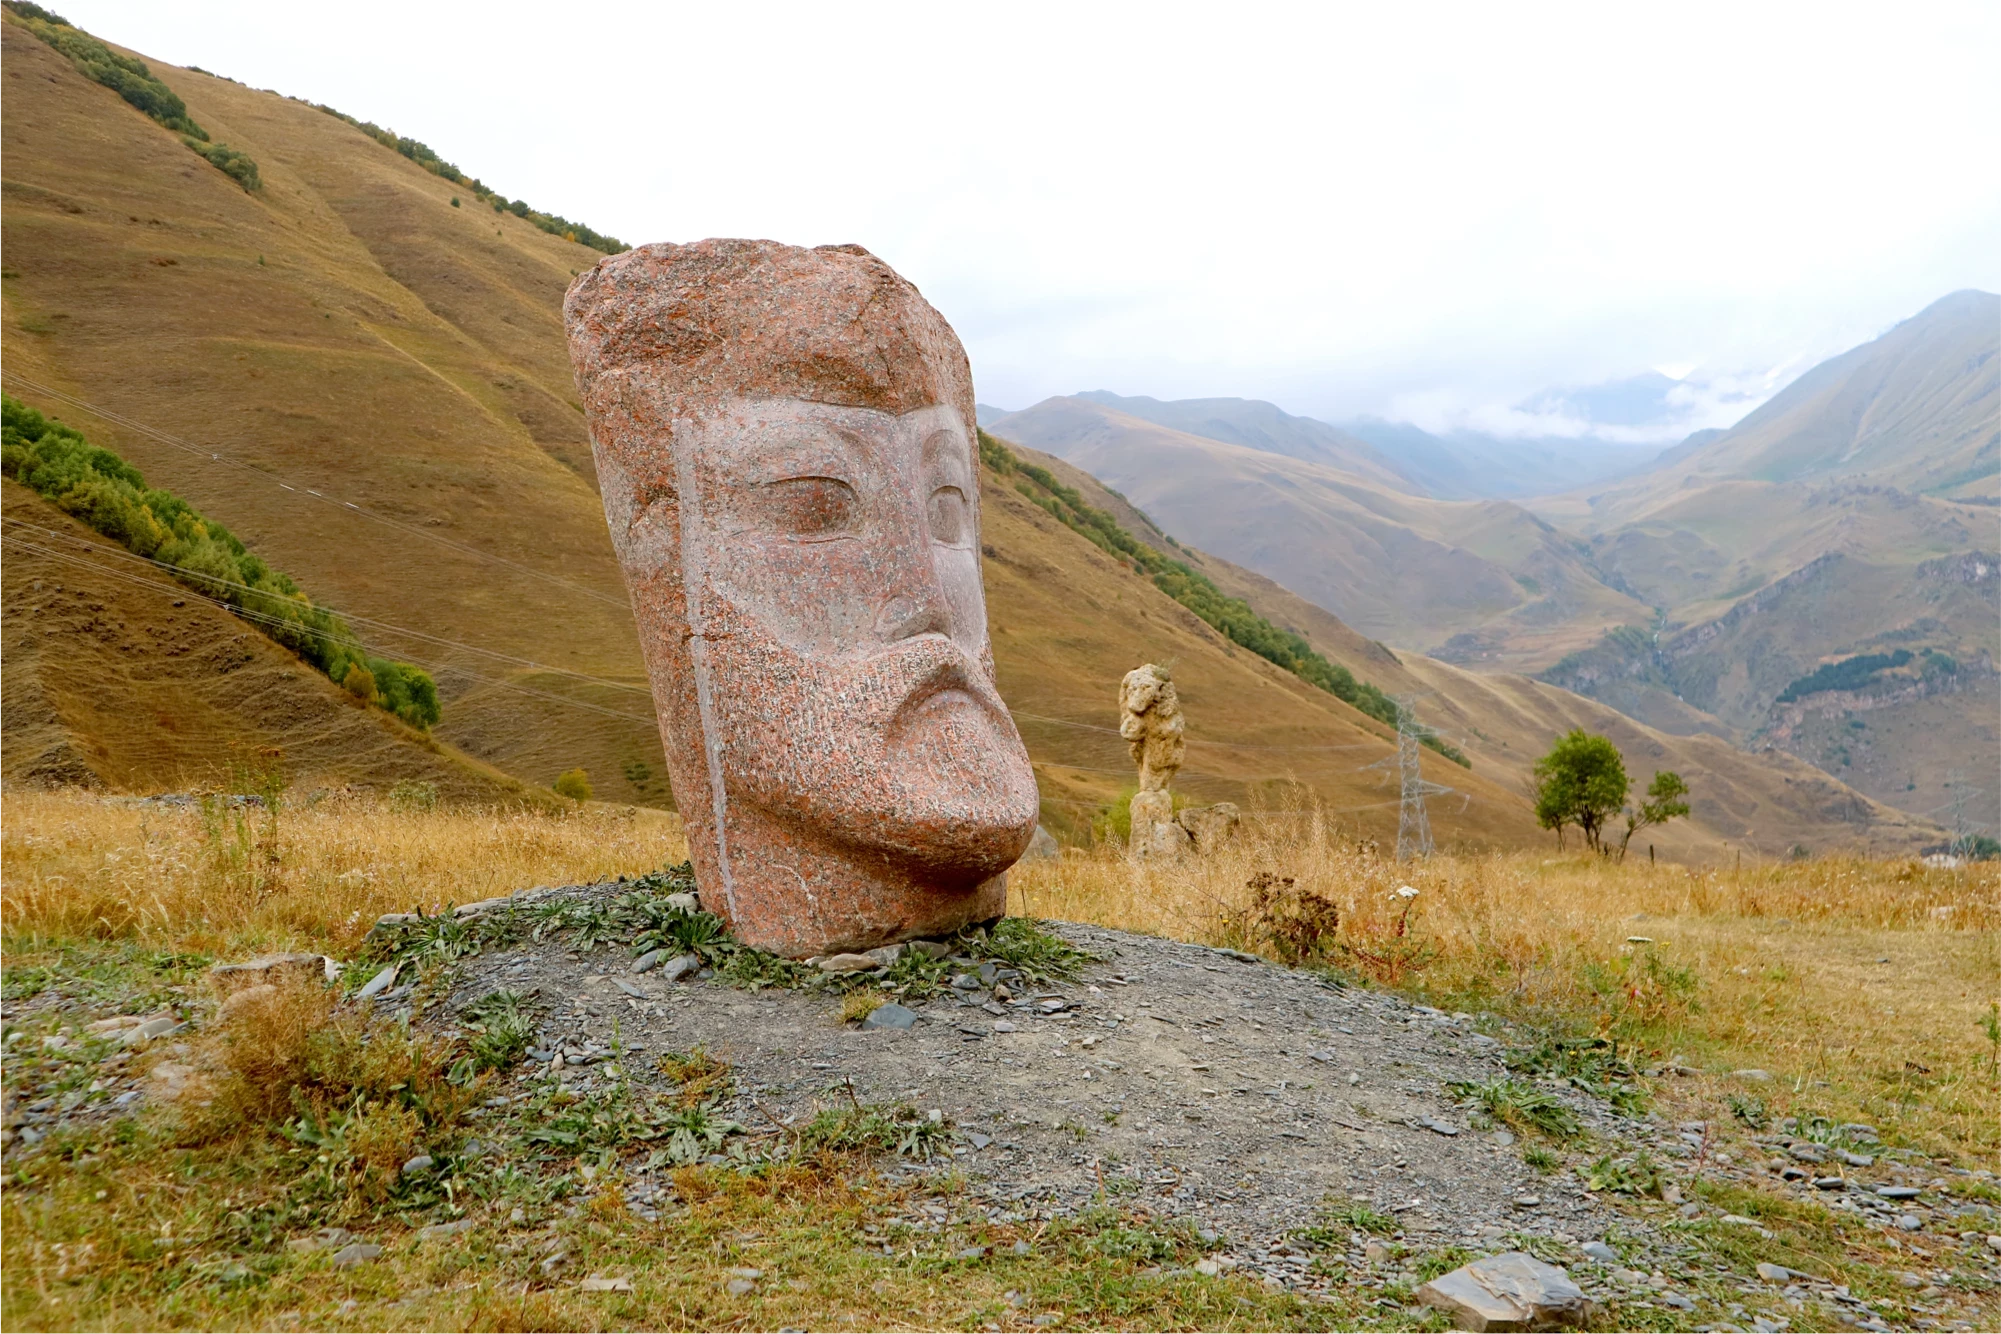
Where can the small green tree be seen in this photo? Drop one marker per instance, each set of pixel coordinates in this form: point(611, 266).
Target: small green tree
point(1666, 799)
point(1582, 781)
point(360, 682)
point(574, 784)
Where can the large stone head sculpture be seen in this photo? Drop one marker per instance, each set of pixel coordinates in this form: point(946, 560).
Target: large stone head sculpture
point(785, 445)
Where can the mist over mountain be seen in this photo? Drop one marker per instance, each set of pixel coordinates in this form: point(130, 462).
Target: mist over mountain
point(1474, 465)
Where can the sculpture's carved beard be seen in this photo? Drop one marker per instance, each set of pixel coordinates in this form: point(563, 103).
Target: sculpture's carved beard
point(907, 752)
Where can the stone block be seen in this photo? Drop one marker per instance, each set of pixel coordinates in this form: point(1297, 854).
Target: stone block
point(785, 448)
point(267, 970)
point(1513, 1291)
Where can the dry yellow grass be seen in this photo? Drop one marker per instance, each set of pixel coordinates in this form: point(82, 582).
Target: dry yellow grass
point(109, 900)
point(77, 867)
point(1862, 986)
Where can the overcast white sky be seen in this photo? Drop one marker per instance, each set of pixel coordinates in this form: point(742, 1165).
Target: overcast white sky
point(1417, 211)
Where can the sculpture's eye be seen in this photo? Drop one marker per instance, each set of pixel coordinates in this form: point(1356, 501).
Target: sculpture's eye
point(951, 521)
point(810, 508)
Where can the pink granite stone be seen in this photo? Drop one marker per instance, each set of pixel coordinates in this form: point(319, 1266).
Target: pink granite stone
point(785, 445)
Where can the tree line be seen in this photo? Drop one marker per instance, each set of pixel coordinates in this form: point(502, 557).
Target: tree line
point(101, 489)
point(1230, 617)
point(139, 86)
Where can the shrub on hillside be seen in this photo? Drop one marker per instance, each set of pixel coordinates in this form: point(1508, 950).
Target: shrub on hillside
point(424, 156)
point(238, 166)
point(1854, 673)
point(574, 784)
point(138, 85)
point(107, 493)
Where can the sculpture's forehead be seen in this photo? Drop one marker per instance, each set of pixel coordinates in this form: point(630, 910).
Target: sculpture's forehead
point(746, 429)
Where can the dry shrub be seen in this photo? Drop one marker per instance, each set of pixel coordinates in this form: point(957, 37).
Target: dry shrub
point(375, 1092)
point(700, 1075)
point(516, 1311)
point(859, 1004)
point(1295, 925)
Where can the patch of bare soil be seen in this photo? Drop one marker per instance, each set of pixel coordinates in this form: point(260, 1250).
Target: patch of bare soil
point(1201, 1082)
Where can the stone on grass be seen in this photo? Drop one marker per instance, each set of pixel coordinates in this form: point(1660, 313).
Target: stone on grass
point(1513, 1291)
point(847, 963)
point(785, 448)
point(648, 961)
point(422, 1162)
point(601, 1283)
point(378, 984)
point(679, 967)
point(157, 1027)
point(354, 1253)
point(1598, 1250)
point(890, 1016)
point(267, 970)
point(1772, 1273)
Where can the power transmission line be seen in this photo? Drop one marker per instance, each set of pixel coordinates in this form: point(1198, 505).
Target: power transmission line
point(1963, 833)
point(1413, 824)
point(273, 476)
point(299, 629)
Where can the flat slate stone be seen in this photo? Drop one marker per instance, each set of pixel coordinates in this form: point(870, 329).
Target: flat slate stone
point(890, 1016)
point(1513, 1291)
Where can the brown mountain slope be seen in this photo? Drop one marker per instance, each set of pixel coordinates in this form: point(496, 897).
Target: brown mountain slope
point(345, 330)
point(398, 353)
point(1402, 568)
point(1918, 409)
point(118, 678)
point(1763, 803)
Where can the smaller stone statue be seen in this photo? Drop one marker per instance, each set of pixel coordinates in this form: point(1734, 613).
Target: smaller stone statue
point(1150, 721)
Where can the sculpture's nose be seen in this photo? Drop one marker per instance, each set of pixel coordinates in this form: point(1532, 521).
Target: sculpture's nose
point(904, 617)
point(914, 597)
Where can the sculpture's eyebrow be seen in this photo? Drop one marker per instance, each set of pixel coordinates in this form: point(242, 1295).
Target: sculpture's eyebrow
point(947, 448)
point(802, 449)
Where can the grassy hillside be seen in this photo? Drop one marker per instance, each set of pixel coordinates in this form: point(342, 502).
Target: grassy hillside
point(342, 330)
point(1762, 803)
point(1398, 567)
point(119, 678)
point(345, 331)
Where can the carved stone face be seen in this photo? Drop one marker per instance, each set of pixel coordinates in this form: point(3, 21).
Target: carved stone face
point(785, 450)
point(846, 626)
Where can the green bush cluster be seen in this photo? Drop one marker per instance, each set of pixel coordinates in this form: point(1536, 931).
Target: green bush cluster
point(424, 156)
point(99, 488)
point(1230, 617)
point(138, 85)
point(1850, 673)
point(238, 166)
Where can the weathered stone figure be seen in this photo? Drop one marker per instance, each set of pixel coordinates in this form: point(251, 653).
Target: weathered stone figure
point(784, 443)
point(1150, 721)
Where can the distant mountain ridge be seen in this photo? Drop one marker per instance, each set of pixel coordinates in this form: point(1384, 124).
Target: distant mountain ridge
point(1759, 553)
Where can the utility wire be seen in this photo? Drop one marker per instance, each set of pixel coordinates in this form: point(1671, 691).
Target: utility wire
point(389, 627)
point(271, 475)
point(299, 629)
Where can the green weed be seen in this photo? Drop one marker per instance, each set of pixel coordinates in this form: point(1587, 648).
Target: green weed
point(1521, 1106)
